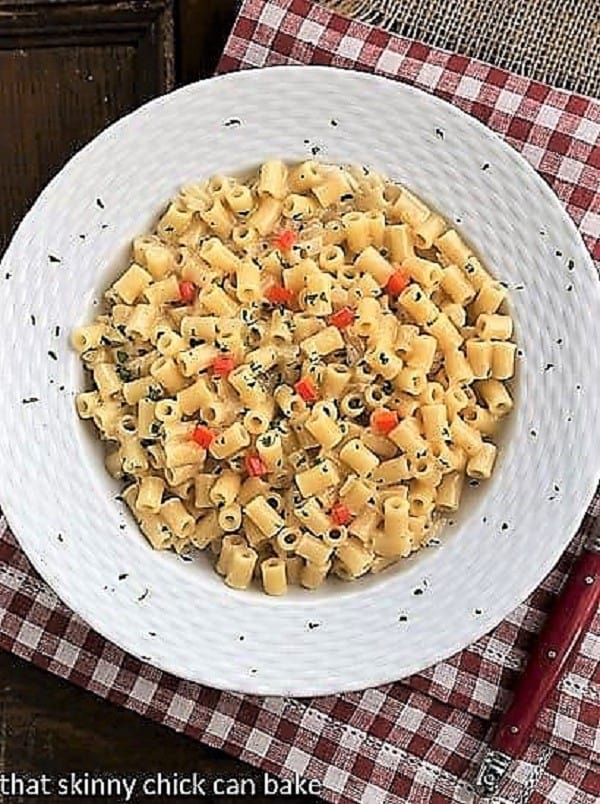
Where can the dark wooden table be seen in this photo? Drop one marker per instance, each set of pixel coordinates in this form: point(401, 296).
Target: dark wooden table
point(67, 69)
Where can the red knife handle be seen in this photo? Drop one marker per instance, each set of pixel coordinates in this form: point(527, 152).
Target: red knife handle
point(564, 628)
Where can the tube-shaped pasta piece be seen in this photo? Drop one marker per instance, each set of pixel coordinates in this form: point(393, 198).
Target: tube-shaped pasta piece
point(196, 396)
point(333, 186)
point(230, 517)
point(323, 343)
point(481, 419)
point(274, 576)
point(248, 282)
point(203, 327)
point(107, 380)
point(270, 449)
point(372, 262)
point(324, 429)
point(158, 259)
point(456, 399)
point(399, 243)
point(457, 286)
point(178, 518)
point(313, 575)
point(479, 355)
point(317, 297)
point(84, 338)
point(426, 273)
point(409, 209)
point(476, 273)
point(428, 230)
point(449, 491)
point(216, 301)
point(273, 179)
point(433, 394)
point(494, 327)
point(156, 531)
point(489, 298)
point(266, 519)
point(132, 284)
point(368, 313)
point(166, 371)
point(150, 493)
point(298, 207)
point(410, 380)
point(354, 556)
point(465, 436)
point(481, 464)
point(356, 493)
point(313, 549)
point(228, 545)
point(453, 248)
point(392, 471)
point(358, 457)
point(457, 315)
point(418, 305)
point(231, 440)
point(383, 361)
point(422, 352)
point(225, 488)
point(407, 436)
point(421, 497)
point(335, 379)
point(202, 486)
point(218, 256)
point(435, 423)
point(197, 359)
point(458, 368)
point(503, 360)
point(446, 334)
point(207, 531)
point(312, 516)
point(239, 198)
point(240, 567)
point(170, 343)
point(331, 259)
point(266, 215)
point(219, 219)
point(495, 396)
point(318, 478)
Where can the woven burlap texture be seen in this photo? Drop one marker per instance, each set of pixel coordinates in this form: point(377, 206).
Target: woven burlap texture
point(554, 41)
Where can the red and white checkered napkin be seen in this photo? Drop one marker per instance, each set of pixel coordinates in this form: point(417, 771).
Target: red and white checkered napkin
point(420, 740)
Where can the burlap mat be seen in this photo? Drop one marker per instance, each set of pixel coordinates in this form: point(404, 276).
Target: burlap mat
point(554, 41)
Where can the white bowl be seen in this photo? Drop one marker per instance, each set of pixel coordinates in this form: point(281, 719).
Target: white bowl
point(179, 616)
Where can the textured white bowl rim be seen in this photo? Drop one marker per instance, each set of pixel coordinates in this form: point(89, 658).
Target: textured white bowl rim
point(182, 619)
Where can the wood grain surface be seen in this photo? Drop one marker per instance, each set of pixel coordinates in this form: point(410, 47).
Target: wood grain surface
point(68, 69)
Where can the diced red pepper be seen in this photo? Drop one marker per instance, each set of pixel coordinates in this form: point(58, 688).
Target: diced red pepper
point(187, 292)
point(397, 282)
point(277, 294)
point(202, 436)
point(285, 239)
point(340, 514)
point(255, 466)
point(383, 420)
point(342, 318)
point(223, 365)
point(306, 389)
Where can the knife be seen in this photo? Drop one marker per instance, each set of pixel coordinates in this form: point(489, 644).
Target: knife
point(556, 645)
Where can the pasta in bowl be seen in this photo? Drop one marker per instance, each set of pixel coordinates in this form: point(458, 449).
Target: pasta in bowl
point(296, 373)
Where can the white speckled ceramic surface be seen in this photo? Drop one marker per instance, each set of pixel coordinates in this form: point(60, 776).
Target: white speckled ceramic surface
point(511, 530)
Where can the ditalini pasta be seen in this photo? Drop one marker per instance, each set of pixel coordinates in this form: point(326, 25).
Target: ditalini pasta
point(298, 370)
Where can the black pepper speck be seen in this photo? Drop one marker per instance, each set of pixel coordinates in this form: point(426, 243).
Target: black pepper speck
point(100, 203)
point(60, 537)
point(417, 591)
point(29, 400)
point(504, 526)
point(312, 626)
point(558, 253)
point(403, 618)
point(533, 433)
point(333, 123)
point(52, 354)
point(570, 265)
point(233, 121)
point(478, 611)
point(439, 133)
point(485, 166)
point(52, 258)
point(123, 575)
point(548, 366)
point(569, 288)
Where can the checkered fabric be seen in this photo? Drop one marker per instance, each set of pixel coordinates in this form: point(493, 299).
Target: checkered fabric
point(418, 741)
